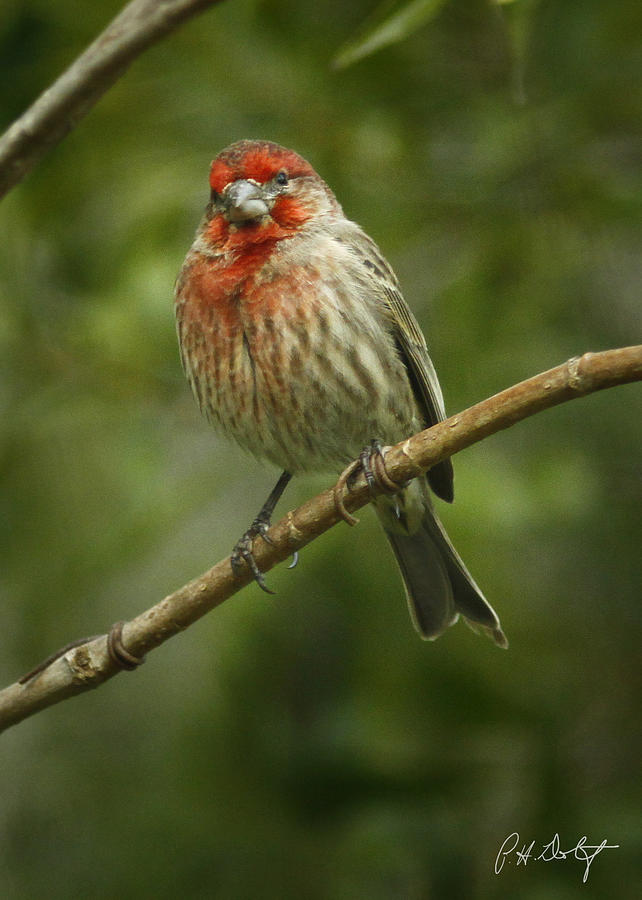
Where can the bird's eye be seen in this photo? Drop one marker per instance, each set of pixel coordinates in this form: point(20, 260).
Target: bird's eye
point(213, 196)
point(282, 177)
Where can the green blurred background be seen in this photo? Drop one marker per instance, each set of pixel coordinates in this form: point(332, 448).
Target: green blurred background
point(309, 745)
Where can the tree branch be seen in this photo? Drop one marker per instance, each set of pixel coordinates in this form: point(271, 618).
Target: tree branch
point(139, 25)
point(88, 665)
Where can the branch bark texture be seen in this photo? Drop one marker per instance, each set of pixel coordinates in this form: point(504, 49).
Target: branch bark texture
point(88, 665)
point(53, 115)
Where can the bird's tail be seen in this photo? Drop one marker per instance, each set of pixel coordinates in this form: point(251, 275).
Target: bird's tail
point(438, 585)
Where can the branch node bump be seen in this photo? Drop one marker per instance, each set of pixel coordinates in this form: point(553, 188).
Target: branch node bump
point(294, 535)
point(575, 379)
point(407, 453)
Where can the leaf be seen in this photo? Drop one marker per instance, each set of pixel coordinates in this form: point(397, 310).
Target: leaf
point(387, 27)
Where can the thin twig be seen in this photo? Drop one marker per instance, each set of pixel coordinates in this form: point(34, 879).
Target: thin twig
point(59, 109)
point(87, 666)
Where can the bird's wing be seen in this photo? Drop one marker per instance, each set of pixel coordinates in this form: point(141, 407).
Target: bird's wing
point(413, 351)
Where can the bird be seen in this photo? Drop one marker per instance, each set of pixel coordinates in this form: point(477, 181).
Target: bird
point(298, 345)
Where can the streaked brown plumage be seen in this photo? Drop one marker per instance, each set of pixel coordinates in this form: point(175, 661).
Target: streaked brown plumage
point(299, 345)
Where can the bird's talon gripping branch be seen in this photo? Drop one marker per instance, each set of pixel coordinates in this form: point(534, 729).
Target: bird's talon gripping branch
point(380, 473)
point(373, 462)
point(260, 528)
point(245, 555)
point(258, 575)
point(295, 560)
point(365, 460)
point(242, 552)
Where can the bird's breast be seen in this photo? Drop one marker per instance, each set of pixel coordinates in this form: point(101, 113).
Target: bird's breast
point(290, 361)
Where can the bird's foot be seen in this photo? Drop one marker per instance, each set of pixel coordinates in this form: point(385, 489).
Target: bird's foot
point(242, 552)
point(373, 465)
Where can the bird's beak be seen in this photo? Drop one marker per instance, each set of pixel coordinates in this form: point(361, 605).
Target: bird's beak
point(244, 202)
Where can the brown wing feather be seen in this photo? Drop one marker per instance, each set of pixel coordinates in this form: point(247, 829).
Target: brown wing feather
point(413, 350)
point(425, 383)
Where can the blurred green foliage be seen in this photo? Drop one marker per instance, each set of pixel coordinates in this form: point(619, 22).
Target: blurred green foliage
point(310, 745)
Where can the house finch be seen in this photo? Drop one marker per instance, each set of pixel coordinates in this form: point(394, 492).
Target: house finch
point(297, 343)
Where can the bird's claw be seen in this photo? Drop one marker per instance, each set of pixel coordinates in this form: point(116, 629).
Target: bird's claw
point(366, 457)
point(373, 465)
point(242, 552)
point(373, 461)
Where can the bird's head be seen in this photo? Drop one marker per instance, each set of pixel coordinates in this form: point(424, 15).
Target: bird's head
point(262, 191)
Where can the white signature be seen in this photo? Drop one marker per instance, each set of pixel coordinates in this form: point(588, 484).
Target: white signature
point(582, 851)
